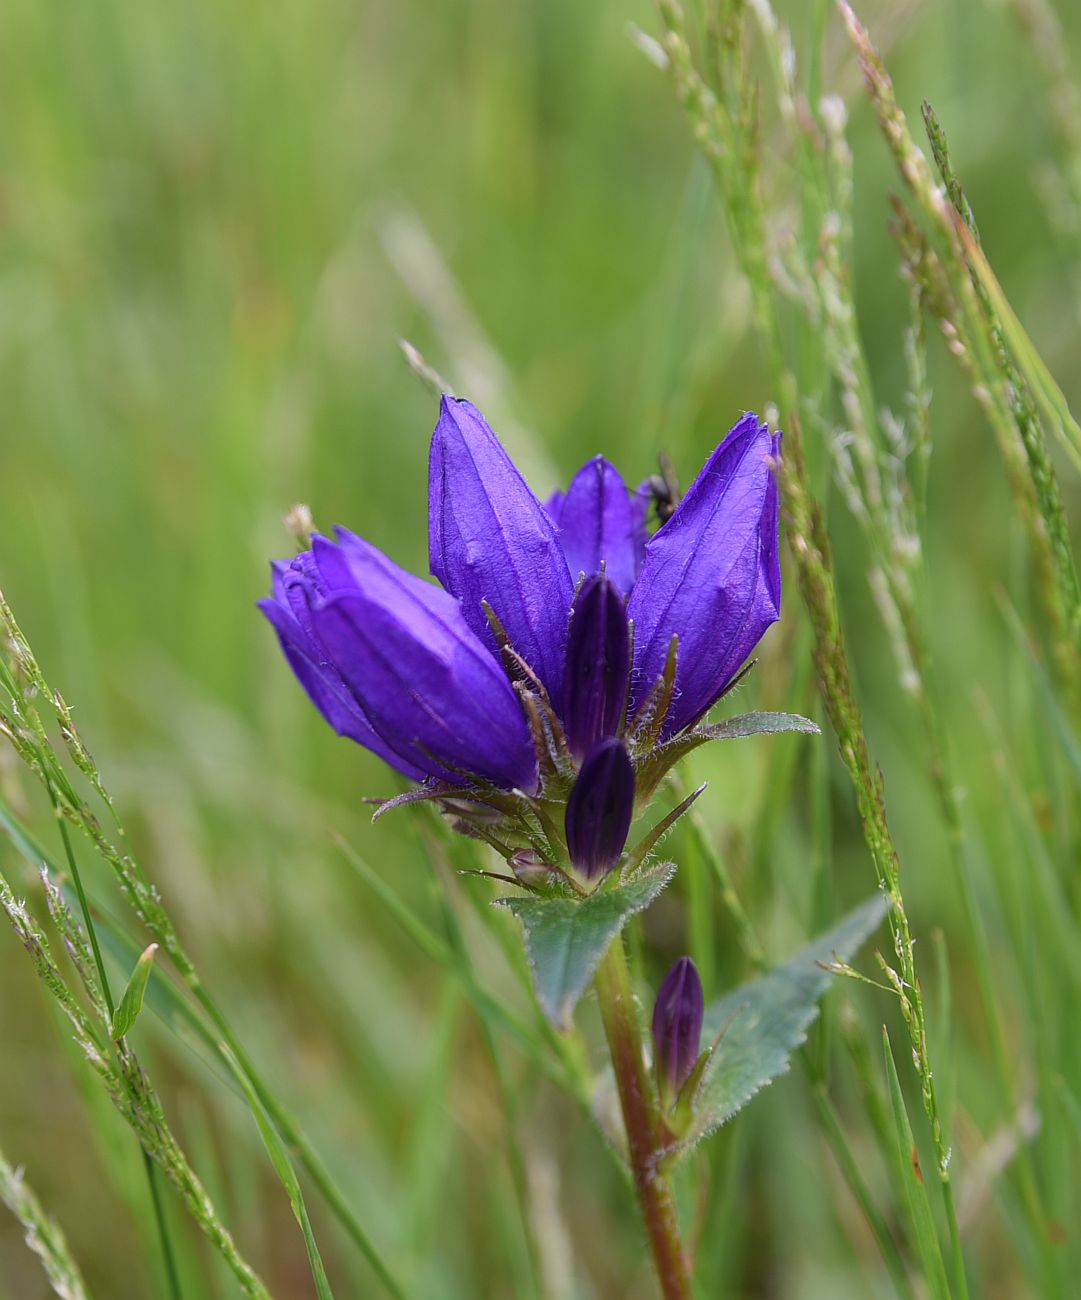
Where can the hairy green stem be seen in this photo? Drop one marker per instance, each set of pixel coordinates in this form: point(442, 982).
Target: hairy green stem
point(642, 1120)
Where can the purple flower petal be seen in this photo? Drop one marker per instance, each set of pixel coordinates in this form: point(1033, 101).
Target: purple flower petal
point(426, 683)
point(288, 612)
point(597, 524)
point(641, 498)
point(711, 576)
point(490, 539)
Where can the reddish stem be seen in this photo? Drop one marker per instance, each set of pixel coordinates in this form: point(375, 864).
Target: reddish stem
point(643, 1123)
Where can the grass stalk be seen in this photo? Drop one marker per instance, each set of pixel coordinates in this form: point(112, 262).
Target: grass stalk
point(43, 1234)
point(28, 735)
point(810, 548)
point(124, 1079)
point(172, 1276)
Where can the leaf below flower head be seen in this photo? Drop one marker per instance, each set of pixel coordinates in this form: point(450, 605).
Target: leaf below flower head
point(565, 939)
point(759, 1025)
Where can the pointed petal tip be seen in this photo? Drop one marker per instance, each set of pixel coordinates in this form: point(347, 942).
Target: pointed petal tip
point(490, 539)
point(457, 410)
point(321, 543)
point(597, 523)
point(449, 405)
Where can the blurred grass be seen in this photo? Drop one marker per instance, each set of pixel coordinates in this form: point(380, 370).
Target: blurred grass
point(206, 211)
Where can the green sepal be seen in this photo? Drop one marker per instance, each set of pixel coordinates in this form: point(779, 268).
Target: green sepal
point(681, 1114)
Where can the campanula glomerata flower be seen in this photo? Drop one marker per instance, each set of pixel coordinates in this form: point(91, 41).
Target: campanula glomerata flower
point(519, 669)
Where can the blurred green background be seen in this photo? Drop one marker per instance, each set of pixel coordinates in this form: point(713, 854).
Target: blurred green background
point(216, 221)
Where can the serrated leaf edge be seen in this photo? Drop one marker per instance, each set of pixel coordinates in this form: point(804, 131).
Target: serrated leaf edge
point(659, 875)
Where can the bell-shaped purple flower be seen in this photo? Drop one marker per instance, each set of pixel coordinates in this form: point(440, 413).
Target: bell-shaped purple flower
point(677, 1027)
point(598, 665)
point(414, 674)
point(598, 526)
point(427, 686)
point(296, 585)
point(711, 576)
point(599, 809)
point(490, 540)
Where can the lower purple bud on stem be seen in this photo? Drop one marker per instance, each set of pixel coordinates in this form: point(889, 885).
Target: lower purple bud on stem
point(677, 1027)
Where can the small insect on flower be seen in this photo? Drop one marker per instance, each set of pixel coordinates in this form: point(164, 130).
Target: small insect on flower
point(663, 489)
point(492, 690)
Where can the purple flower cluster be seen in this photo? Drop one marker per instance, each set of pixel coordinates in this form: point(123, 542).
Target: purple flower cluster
point(519, 675)
point(529, 635)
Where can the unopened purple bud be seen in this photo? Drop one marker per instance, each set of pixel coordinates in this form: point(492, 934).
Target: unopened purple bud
point(598, 665)
point(677, 1027)
point(600, 808)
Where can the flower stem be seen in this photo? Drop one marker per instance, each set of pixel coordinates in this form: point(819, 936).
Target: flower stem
point(642, 1121)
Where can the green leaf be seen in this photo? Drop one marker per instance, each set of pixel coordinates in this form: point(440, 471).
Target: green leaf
point(651, 770)
point(132, 1001)
point(765, 1021)
point(566, 939)
point(758, 724)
